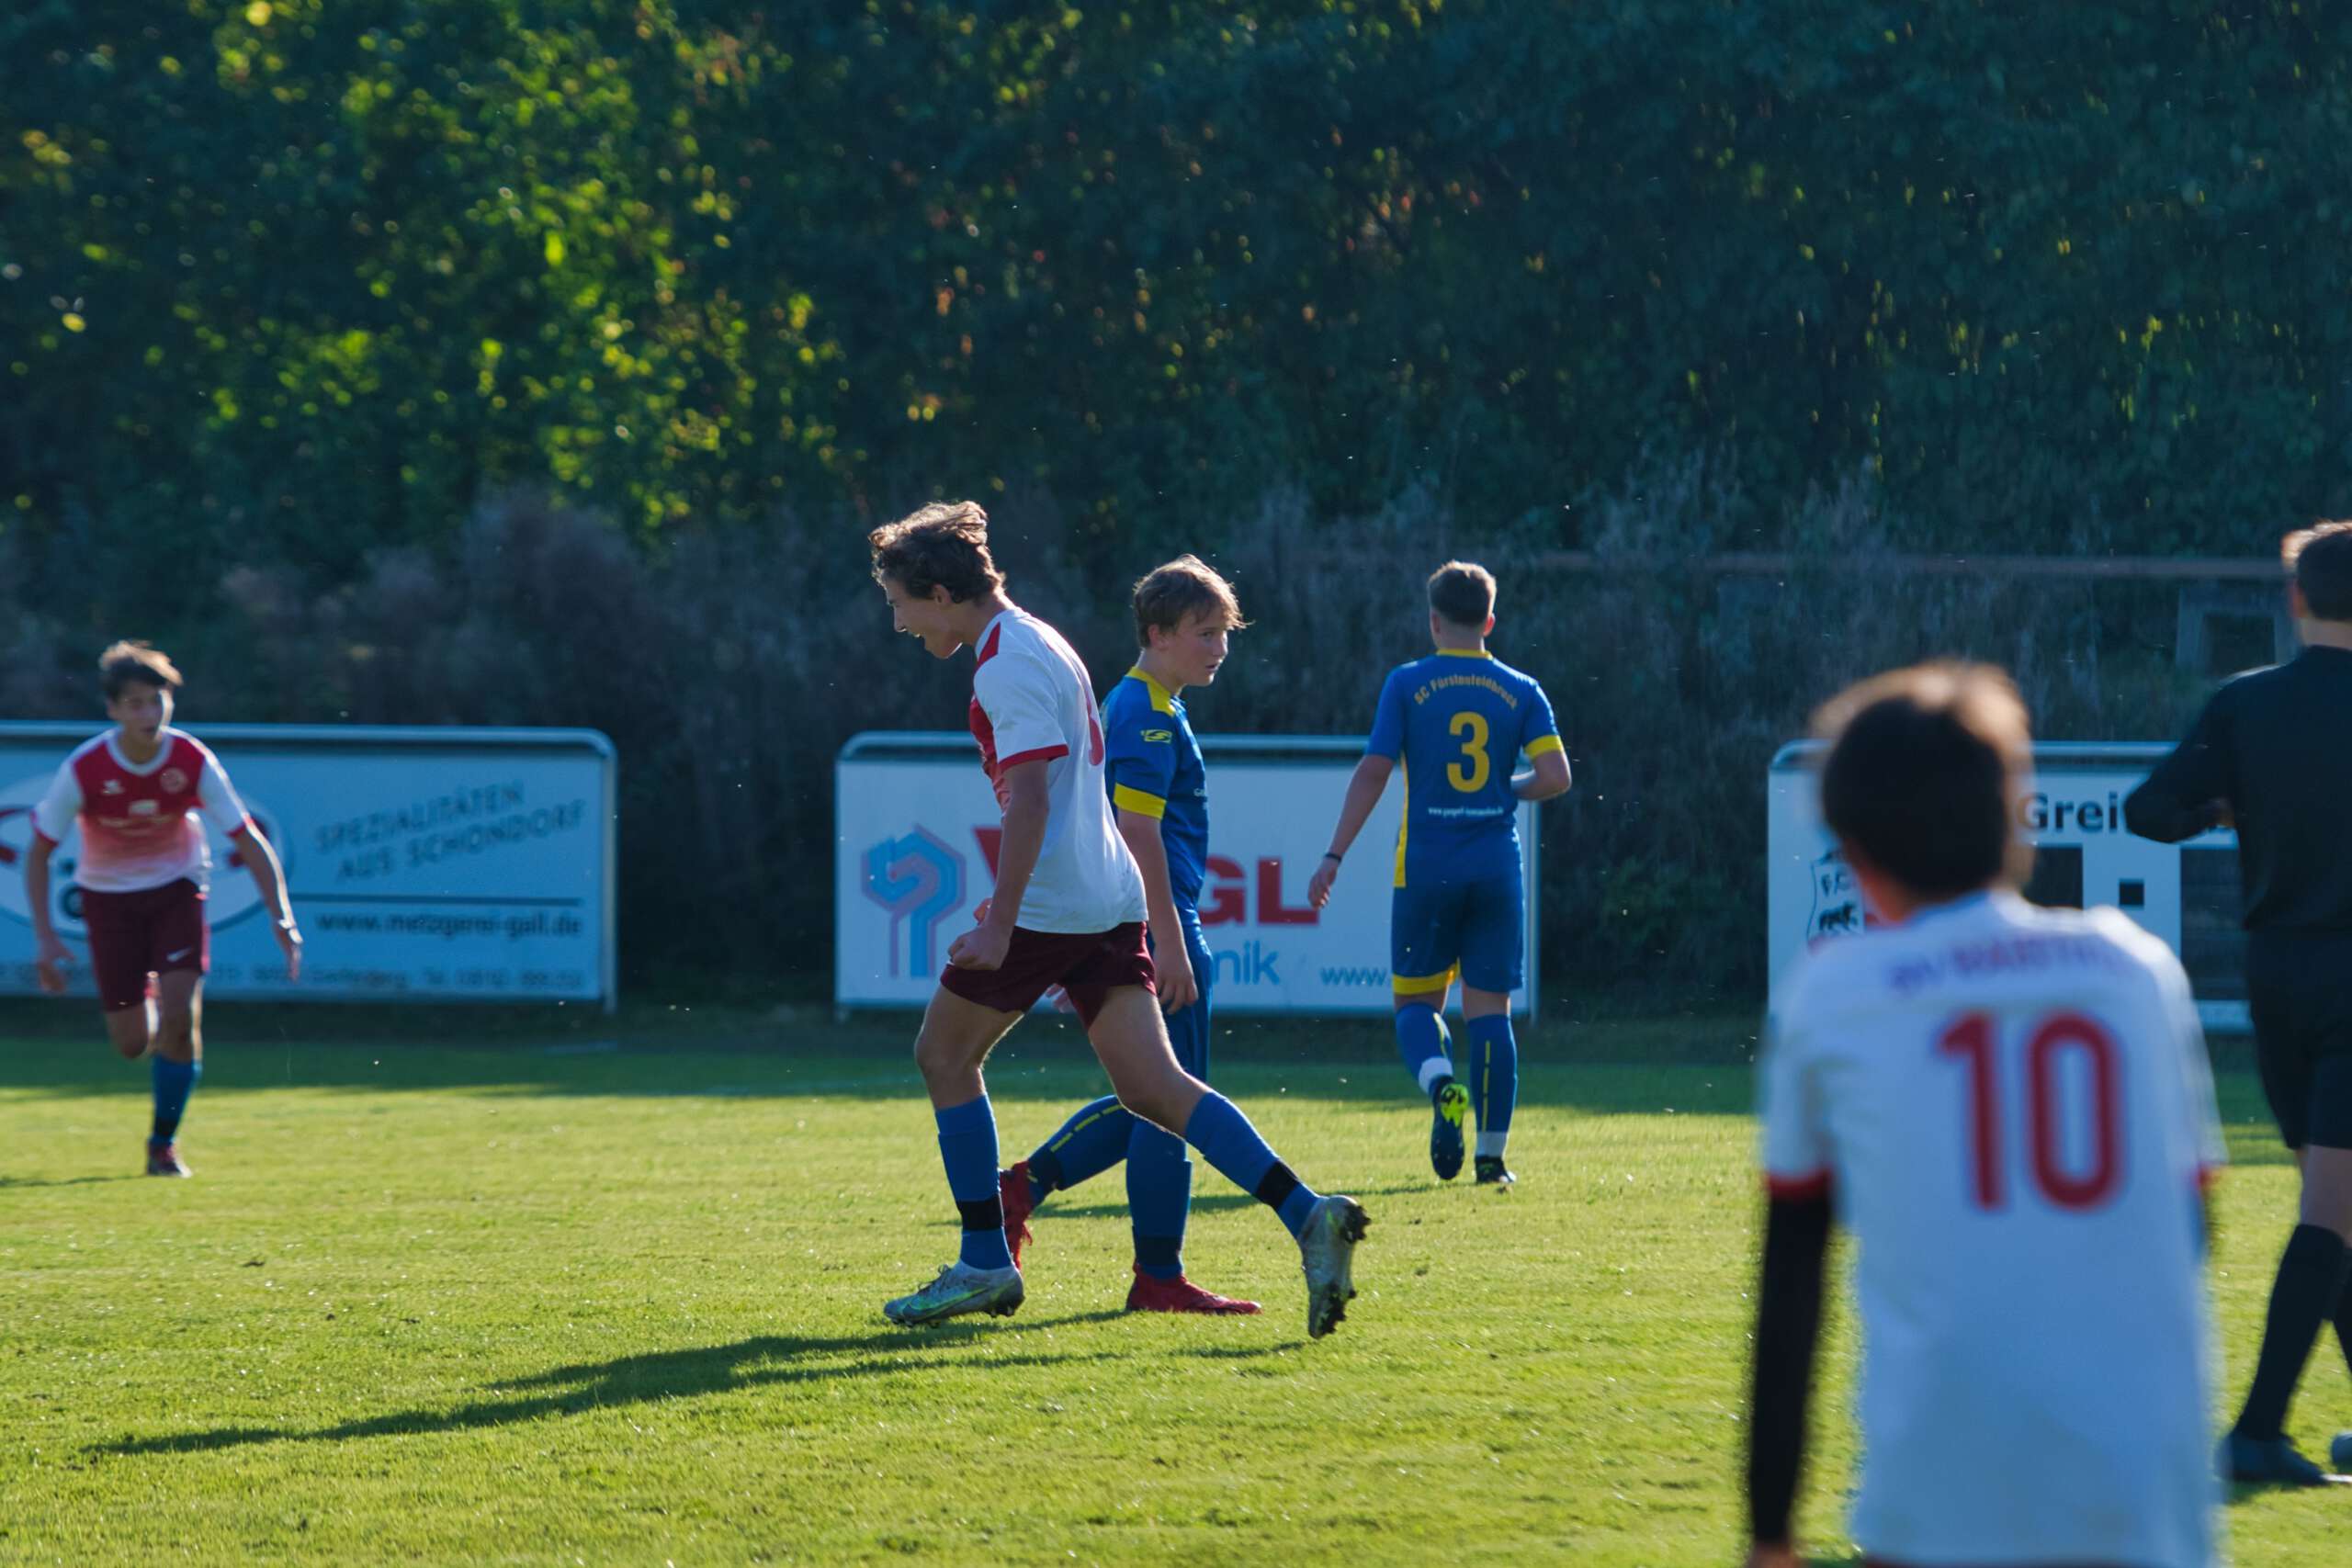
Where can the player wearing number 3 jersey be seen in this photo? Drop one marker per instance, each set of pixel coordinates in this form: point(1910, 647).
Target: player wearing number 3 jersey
point(1457, 721)
point(2012, 1110)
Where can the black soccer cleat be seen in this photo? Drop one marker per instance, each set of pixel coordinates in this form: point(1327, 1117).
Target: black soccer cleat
point(1492, 1172)
point(2266, 1461)
point(1449, 1107)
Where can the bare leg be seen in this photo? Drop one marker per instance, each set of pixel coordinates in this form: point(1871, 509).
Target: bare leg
point(132, 1029)
point(179, 1012)
point(955, 1038)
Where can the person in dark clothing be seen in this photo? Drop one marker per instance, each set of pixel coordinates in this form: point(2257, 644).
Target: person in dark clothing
point(2272, 755)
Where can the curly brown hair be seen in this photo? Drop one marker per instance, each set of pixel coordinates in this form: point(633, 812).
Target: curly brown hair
point(943, 546)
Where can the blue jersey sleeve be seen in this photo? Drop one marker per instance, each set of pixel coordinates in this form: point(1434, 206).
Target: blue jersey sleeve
point(1539, 732)
point(1139, 742)
point(1388, 720)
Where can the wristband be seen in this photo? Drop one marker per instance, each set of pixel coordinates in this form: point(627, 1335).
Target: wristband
point(1329, 855)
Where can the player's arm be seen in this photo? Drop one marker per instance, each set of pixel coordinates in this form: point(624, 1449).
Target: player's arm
point(269, 876)
point(1788, 1329)
point(1025, 803)
point(1545, 778)
point(1797, 1159)
point(50, 956)
point(1547, 774)
point(1170, 962)
point(51, 818)
point(1365, 786)
point(1140, 754)
point(216, 798)
point(2189, 790)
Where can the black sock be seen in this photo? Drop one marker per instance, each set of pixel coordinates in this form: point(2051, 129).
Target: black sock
point(2344, 1323)
point(1045, 1172)
point(2311, 1277)
point(1275, 1186)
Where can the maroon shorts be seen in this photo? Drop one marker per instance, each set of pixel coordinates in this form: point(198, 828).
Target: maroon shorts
point(1085, 967)
point(133, 935)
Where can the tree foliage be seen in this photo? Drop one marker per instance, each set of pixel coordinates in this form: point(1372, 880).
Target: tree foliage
point(310, 278)
point(293, 297)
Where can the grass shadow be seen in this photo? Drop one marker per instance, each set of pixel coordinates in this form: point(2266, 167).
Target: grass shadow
point(764, 1360)
point(7, 1181)
point(1108, 1207)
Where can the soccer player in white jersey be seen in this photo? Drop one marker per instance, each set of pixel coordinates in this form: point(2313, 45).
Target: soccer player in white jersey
point(2012, 1110)
point(1068, 910)
point(142, 879)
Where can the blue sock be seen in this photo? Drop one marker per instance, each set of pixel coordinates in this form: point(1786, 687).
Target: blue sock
point(968, 1147)
point(1160, 1198)
point(1421, 1042)
point(1089, 1144)
point(1226, 1141)
point(1493, 1077)
point(174, 1082)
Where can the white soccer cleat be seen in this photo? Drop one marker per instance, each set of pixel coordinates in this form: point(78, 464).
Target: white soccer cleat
point(1326, 1250)
point(960, 1289)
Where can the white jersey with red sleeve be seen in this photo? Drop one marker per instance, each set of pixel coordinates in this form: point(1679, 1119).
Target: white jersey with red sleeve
point(1033, 701)
point(2013, 1111)
point(139, 819)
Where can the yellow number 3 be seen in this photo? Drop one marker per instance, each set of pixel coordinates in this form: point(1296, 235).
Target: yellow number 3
point(1474, 776)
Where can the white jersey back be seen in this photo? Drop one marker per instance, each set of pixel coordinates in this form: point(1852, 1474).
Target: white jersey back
point(1033, 701)
point(2014, 1112)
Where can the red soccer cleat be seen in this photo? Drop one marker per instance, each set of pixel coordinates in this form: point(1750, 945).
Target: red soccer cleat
point(1180, 1294)
point(1013, 1193)
point(164, 1159)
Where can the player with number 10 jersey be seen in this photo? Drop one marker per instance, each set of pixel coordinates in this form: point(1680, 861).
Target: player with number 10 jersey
point(2011, 1109)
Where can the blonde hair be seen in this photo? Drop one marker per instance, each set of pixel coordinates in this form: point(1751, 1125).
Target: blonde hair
point(1167, 595)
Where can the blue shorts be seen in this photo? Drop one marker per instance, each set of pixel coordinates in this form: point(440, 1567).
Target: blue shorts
point(1188, 1031)
point(1475, 926)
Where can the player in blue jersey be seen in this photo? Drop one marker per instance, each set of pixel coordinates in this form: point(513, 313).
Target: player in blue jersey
point(1184, 611)
point(1458, 720)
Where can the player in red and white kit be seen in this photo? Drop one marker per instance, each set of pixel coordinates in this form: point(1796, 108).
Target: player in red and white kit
point(2011, 1110)
point(1068, 910)
point(136, 791)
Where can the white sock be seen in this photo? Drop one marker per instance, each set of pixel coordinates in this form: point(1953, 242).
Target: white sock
point(1490, 1144)
point(1436, 1068)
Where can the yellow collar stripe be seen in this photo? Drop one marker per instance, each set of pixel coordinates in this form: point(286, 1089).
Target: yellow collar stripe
point(1161, 700)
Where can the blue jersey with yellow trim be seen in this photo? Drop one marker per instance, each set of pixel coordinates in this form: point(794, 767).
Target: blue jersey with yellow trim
point(1457, 721)
point(1154, 766)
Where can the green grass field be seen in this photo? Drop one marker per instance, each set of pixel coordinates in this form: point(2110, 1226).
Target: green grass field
point(610, 1295)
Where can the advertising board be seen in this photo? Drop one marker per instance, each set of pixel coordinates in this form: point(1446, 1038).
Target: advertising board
point(425, 864)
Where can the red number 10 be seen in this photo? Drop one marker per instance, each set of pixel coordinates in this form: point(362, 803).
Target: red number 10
point(1970, 1038)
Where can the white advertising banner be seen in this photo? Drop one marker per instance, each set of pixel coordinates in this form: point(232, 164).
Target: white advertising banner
point(2072, 811)
point(915, 842)
point(425, 864)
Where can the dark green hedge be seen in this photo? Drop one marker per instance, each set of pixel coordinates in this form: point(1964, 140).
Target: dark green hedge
point(295, 299)
point(308, 278)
